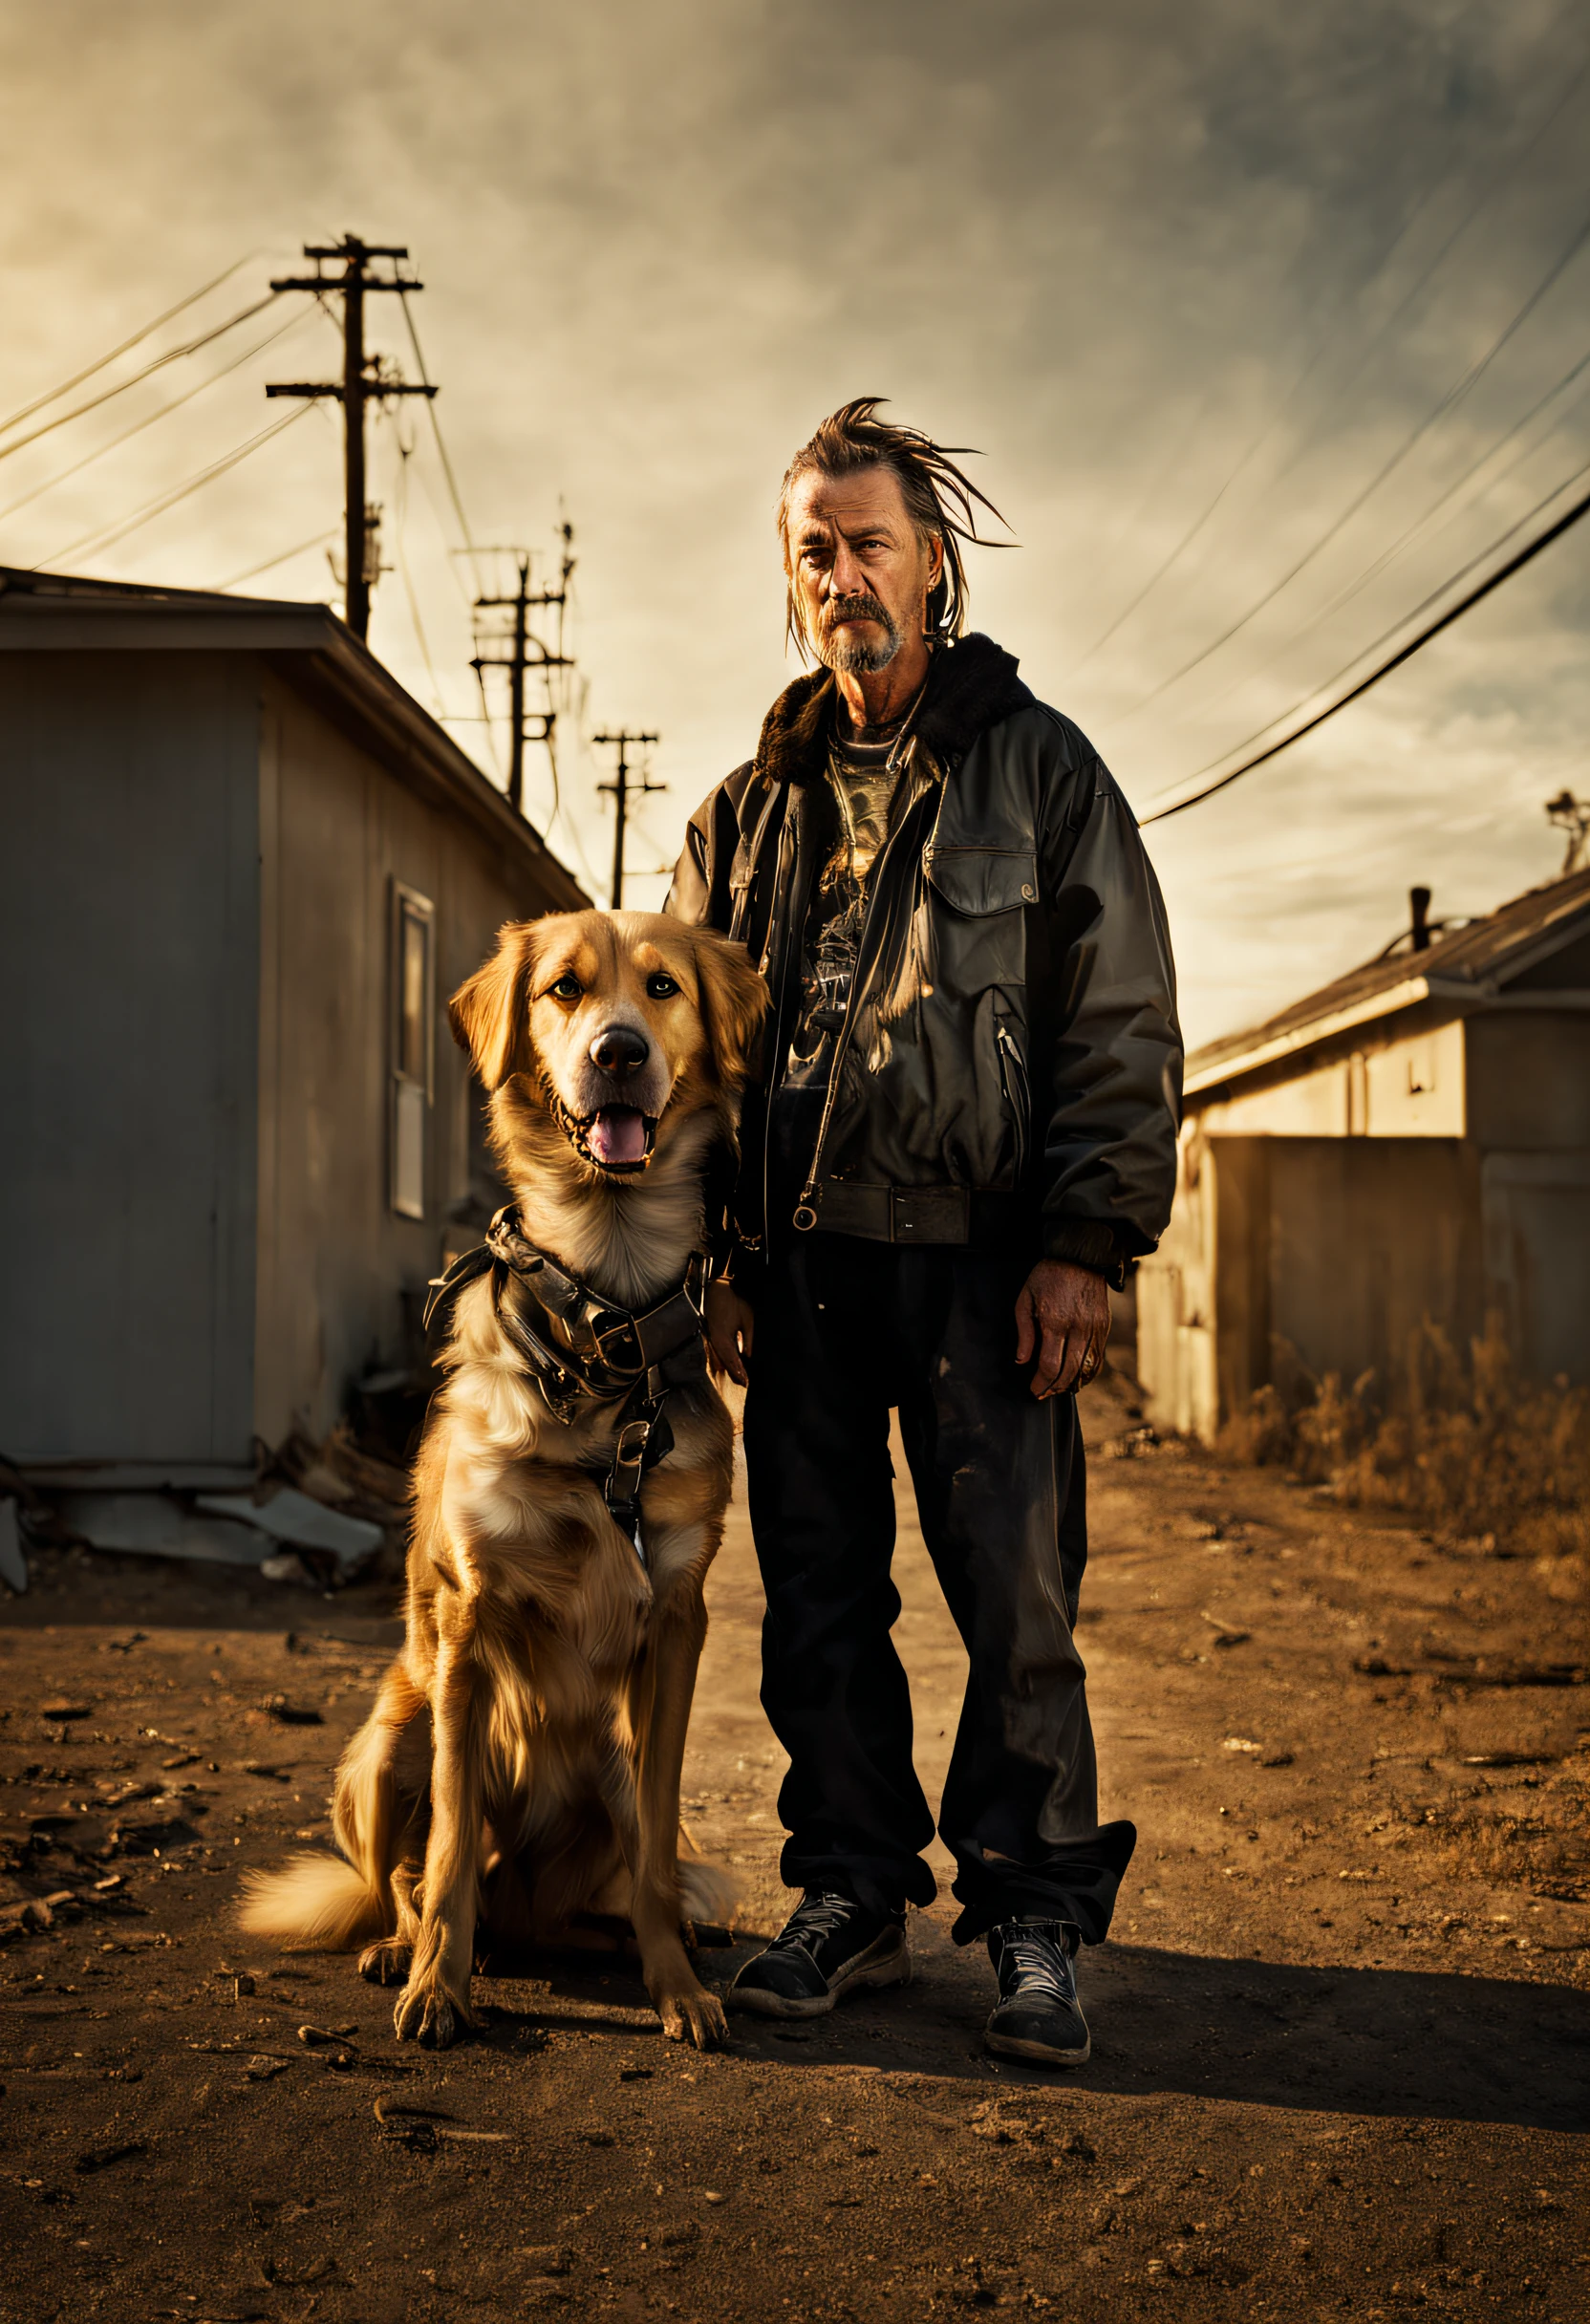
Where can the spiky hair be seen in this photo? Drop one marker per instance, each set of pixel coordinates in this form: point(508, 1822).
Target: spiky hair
point(939, 500)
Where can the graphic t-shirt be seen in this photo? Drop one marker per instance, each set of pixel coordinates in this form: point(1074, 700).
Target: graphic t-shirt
point(868, 790)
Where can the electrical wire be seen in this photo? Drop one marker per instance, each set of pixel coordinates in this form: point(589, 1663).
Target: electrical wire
point(165, 410)
point(1513, 564)
point(469, 549)
point(1454, 396)
point(401, 529)
point(173, 355)
point(1492, 189)
point(76, 381)
point(328, 532)
point(1422, 524)
point(107, 537)
point(440, 440)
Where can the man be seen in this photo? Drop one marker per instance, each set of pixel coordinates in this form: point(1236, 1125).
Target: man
point(963, 1132)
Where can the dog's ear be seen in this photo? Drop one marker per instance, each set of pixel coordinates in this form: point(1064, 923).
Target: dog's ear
point(733, 1003)
point(489, 1014)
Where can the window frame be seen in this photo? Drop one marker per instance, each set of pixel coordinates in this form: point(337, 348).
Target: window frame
point(406, 906)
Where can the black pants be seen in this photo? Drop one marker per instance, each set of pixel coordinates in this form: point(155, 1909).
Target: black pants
point(845, 1330)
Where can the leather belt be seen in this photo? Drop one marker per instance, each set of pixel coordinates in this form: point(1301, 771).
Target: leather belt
point(909, 1214)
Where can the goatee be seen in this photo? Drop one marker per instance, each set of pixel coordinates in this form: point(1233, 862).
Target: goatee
point(851, 656)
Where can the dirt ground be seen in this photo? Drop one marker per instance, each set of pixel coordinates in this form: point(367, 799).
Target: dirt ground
point(1341, 2034)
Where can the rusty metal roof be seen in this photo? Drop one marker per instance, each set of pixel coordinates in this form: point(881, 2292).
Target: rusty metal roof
point(1462, 967)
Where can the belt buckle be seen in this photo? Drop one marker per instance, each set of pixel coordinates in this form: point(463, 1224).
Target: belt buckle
point(930, 1213)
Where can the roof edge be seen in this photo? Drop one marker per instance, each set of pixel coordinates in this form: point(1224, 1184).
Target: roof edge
point(1404, 996)
point(312, 650)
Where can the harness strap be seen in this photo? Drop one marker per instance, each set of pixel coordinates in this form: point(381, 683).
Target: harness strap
point(592, 1351)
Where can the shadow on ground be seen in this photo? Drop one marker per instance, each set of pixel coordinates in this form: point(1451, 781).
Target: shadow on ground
point(1395, 2042)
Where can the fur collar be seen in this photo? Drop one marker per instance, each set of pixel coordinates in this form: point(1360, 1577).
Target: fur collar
point(971, 687)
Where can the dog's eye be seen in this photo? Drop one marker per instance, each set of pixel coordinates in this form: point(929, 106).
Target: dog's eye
point(661, 986)
point(567, 987)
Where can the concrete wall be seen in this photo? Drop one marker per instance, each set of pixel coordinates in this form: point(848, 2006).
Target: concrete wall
point(128, 941)
point(335, 1259)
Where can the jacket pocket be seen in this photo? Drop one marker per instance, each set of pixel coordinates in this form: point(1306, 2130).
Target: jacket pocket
point(980, 880)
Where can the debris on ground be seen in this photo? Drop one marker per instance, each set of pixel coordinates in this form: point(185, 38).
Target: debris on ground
point(285, 1514)
point(158, 1525)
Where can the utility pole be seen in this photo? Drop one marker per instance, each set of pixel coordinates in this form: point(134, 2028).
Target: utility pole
point(360, 384)
point(621, 789)
point(526, 651)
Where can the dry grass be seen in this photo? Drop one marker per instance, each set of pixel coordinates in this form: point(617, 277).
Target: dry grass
point(1463, 1444)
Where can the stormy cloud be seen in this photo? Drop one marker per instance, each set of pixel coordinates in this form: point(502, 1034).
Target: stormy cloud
point(1192, 277)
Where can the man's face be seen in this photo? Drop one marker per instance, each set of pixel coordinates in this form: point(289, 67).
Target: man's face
point(860, 568)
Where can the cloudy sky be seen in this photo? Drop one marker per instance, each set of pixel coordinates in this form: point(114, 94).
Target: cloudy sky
point(1266, 321)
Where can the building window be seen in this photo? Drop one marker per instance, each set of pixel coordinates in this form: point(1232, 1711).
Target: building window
point(412, 1018)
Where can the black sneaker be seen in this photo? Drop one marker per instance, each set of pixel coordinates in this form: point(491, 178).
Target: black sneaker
point(829, 1944)
point(1037, 2014)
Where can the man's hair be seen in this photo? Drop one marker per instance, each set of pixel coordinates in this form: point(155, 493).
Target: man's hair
point(939, 500)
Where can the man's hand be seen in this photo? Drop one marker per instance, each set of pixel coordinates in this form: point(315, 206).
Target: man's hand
point(729, 1323)
point(1063, 1316)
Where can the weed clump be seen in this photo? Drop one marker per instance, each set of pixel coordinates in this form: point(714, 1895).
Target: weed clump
point(1466, 1444)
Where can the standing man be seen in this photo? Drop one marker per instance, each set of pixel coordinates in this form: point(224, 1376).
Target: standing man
point(963, 1131)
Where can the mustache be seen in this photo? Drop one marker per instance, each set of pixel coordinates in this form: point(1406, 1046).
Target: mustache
point(860, 606)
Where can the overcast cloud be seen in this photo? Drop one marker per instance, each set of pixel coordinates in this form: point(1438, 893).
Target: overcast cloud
point(1190, 274)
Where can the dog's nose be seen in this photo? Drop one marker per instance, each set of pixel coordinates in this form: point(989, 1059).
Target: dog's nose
point(620, 1050)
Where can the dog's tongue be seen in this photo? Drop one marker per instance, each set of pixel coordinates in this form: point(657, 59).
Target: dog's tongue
point(617, 1134)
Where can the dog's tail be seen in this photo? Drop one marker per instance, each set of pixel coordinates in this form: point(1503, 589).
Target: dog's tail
point(329, 1903)
point(314, 1903)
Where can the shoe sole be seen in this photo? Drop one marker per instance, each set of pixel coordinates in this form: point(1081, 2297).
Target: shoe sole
point(1037, 2052)
point(878, 1975)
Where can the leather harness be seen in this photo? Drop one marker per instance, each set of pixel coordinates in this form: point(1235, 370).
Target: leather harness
point(583, 1350)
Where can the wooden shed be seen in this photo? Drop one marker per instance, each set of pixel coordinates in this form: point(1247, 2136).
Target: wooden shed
point(241, 869)
point(1411, 1142)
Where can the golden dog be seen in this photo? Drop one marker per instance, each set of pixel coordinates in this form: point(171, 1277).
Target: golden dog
point(553, 1642)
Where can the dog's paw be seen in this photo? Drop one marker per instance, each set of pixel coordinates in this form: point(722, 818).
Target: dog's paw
point(386, 1962)
point(425, 2013)
point(692, 2013)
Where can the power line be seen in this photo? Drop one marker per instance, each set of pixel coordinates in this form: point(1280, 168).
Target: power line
point(1433, 628)
point(107, 537)
point(315, 541)
point(1449, 400)
point(148, 420)
point(436, 429)
point(359, 385)
point(1492, 189)
point(173, 355)
point(1421, 522)
point(404, 451)
point(76, 381)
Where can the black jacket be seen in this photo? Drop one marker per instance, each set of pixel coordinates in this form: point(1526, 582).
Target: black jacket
point(1017, 945)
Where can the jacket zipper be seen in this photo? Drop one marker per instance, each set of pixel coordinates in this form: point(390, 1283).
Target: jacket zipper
point(780, 997)
point(1018, 1094)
